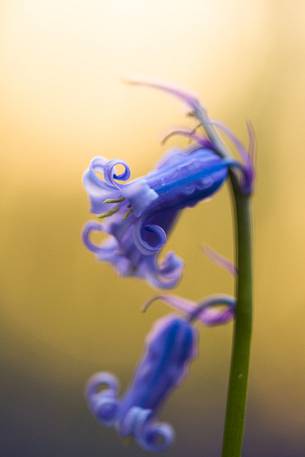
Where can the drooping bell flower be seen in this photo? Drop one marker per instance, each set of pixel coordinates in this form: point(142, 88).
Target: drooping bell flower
point(170, 348)
point(140, 214)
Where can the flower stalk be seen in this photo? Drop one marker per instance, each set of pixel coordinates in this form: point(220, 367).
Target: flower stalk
point(238, 382)
point(240, 357)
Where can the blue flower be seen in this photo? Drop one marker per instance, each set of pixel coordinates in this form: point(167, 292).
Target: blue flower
point(140, 214)
point(170, 348)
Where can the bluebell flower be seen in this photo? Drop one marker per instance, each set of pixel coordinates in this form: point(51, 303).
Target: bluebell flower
point(170, 348)
point(140, 214)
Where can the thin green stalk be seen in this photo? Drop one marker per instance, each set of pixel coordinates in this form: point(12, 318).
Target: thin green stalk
point(237, 390)
point(238, 382)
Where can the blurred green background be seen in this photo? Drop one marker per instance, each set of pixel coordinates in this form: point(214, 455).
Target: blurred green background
point(64, 315)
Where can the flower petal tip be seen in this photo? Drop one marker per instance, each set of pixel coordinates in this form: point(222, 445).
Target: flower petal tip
point(191, 100)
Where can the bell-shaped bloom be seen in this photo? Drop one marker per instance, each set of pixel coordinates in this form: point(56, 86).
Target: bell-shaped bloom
point(139, 215)
point(170, 348)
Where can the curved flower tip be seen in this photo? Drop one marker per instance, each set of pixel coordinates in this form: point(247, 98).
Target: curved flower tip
point(189, 133)
point(170, 348)
point(150, 435)
point(189, 99)
point(140, 214)
point(101, 393)
point(214, 310)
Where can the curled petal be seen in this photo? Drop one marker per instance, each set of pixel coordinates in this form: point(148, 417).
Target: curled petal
point(161, 282)
point(135, 259)
point(150, 436)
point(165, 275)
point(110, 174)
point(103, 191)
point(170, 264)
point(111, 251)
point(149, 238)
point(90, 227)
point(98, 164)
point(134, 420)
point(101, 394)
point(106, 380)
point(159, 233)
point(156, 437)
point(97, 189)
point(105, 407)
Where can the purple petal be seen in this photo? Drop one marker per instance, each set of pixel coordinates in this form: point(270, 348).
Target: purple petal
point(102, 379)
point(99, 189)
point(155, 437)
point(211, 317)
point(252, 141)
point(165, 275)
point(111, 176)
point(178, 303)
point(151, 436)
point(208, 313)
point(103, 403)
point(149, 238)
point(90, 227)
point(239, 146)
point(189, 99)
point(204, 142)
point(134, 420)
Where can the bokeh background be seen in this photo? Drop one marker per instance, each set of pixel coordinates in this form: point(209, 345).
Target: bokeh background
point(64, 315)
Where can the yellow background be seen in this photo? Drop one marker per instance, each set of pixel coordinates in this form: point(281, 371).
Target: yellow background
point(63, 314)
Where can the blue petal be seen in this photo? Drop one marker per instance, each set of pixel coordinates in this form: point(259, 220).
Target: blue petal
point(103, 403)
point(134, 246)
point(155, 436)
point(107, 188)
point(151, 436)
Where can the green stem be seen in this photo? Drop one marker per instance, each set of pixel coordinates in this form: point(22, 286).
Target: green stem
point(238, 383)
point(237, 390)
